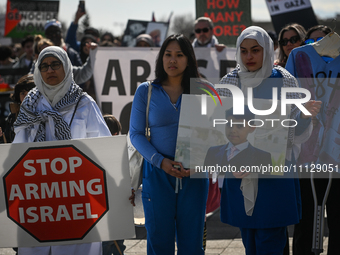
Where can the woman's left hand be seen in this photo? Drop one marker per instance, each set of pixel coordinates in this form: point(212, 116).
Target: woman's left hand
point(313, 107)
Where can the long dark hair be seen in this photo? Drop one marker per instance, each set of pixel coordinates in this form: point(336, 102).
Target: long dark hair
point(190, 72)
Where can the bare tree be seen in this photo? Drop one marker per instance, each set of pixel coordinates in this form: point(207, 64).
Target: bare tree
point(85, 23)
point(183, 24)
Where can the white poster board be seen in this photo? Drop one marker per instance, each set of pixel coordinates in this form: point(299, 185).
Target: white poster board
point(93, 169)
point(119, 71)
point(197, 133)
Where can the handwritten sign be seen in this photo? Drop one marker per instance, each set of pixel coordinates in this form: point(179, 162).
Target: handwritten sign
point(230, 17)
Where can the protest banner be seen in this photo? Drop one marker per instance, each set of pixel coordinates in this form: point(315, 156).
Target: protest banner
point(65, 192)
point(230, 17)
point(157, 30)
point(117, 73)
point(29, 17)
point(283, 12)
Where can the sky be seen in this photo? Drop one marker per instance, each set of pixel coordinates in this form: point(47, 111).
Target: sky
point(112, 15)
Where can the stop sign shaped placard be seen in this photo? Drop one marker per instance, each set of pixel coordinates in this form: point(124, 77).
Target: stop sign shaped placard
point(56, 193)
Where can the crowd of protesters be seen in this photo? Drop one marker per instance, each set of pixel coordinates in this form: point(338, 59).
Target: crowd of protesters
point(169, 195)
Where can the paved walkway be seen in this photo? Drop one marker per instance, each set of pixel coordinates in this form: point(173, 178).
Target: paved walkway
point(222, 240)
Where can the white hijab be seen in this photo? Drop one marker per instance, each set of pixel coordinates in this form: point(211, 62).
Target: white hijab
point(253, 79)
point(56, 92)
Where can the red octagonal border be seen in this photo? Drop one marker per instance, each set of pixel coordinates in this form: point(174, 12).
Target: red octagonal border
point(59, 196)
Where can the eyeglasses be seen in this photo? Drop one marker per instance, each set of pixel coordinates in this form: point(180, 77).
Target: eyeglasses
point(204, 30)
point(292, 40)
point(55, 65)
point(311, 40)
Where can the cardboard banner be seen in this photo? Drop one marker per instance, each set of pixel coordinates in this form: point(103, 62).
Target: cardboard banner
point(198, 132)
point(29, 17)
point(230, 17)
point(65, 192)
point(286, 11)
point(117, 73)
point(157, 30)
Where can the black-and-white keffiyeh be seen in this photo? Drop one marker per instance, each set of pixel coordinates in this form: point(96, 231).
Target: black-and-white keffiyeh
point(288, 81)
point(29, 116)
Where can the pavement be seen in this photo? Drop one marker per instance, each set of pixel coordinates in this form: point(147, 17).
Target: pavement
point(222, 239)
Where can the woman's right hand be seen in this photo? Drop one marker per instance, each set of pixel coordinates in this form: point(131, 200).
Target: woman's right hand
point(168, 167)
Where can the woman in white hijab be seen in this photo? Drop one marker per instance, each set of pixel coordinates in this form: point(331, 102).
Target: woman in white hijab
point(263, 207)
point(58, 109)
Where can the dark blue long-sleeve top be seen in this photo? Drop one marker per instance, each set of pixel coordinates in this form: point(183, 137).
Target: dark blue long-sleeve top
point(163, 123)
point(71, 37)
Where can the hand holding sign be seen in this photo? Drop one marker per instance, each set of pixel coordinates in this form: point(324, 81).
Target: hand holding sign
point(313, 107)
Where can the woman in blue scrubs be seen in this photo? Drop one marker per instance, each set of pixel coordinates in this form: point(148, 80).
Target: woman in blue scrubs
point(174, 204)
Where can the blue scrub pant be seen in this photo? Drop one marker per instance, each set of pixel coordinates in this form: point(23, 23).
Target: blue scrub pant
point(269, 241)
point(169, 215)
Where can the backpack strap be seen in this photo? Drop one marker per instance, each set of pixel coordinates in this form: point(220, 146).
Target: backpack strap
point(74, 112)
point(147, 129)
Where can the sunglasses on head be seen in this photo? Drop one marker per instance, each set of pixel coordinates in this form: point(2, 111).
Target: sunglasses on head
point(311, 40)
point(199, 30)
point(292, 40)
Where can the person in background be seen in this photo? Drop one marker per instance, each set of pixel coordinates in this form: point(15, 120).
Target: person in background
point(144, 40)
point(23, 86)
point(107, 36)
point(26, 59)
point(273, 36)
point(113, 124)
point(6, 62)
point(54, 33)
point(84, 49)
point(290, 37)
point(204, 33)
point(46, 115)
point(156, 37)
point(174, 204)
point(108, 40)
point(94, 32)
point(107, 44)
point(40, 43)
point(71, 35)
point(316, 33)
point(17, 50)
point(115, 247)
point(303, 231)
